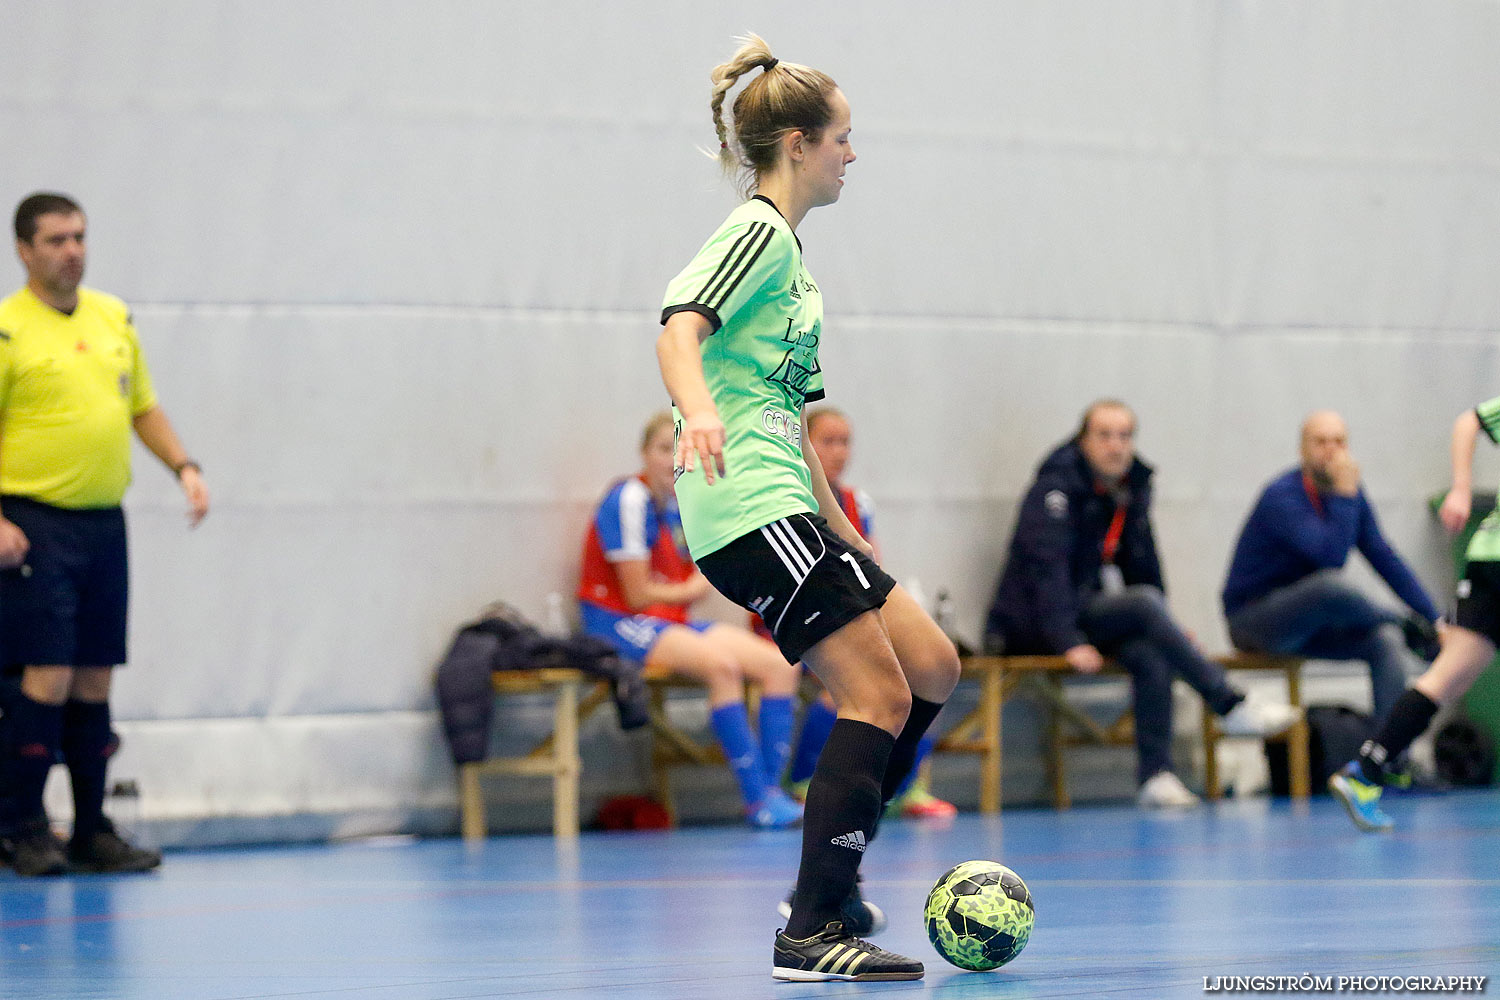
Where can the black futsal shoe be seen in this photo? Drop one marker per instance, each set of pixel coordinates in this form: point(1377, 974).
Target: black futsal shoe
point(33, 849)
point(835, 954)
point(106, 851)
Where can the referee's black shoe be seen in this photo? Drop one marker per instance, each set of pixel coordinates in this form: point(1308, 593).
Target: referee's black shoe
point(835, 954)
point(32, 849)
point(105, 851)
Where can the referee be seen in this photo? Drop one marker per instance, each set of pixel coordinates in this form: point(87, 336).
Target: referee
point(73, 384)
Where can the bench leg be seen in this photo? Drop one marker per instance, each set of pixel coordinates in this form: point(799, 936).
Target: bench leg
point(471, 803)
point(1211, 789)
point(1056, 766)
point(666, 745)
point(991, 705)
point(1299, 761)
point(566, 760)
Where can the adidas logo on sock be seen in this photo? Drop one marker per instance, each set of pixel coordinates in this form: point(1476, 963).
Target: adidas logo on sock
point(854, 841)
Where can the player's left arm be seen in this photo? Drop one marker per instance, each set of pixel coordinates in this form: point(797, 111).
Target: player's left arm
point(828, 504)
point(156, 433)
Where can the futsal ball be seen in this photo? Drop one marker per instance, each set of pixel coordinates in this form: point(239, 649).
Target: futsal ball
point(979, 915)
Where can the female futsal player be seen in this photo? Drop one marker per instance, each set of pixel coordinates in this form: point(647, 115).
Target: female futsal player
point(739, 355)
point(1468, 644)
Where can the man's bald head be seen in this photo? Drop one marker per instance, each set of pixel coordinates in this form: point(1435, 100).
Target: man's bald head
point(1325, 436)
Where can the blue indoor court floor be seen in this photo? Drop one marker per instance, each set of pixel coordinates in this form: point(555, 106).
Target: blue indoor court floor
point(1129, 904)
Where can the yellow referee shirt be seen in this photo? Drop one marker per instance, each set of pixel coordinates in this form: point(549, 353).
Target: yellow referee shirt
point(69, 389)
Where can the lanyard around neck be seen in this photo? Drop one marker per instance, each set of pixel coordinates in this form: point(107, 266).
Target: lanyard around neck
point(1111, 543)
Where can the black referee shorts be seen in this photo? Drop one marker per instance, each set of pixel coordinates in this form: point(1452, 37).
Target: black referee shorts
point(66, 605)
point(803, 580)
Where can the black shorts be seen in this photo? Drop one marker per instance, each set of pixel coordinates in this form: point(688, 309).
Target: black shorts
point(1479, 600)
point(803, 580)
point(66, 605)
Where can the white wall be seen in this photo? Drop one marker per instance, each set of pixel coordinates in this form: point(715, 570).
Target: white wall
point(397, 266)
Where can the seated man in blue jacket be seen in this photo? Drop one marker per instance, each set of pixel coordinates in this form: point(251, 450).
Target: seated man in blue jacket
point(1285, 594)
point(1083, 580)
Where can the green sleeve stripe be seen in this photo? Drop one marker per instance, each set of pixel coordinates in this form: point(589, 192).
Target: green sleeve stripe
point(736, 264)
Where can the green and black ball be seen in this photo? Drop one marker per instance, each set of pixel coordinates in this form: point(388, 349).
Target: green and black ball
point(979, 915)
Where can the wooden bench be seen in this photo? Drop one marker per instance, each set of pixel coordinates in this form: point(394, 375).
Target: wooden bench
point(575, 696)
point(1042, 677)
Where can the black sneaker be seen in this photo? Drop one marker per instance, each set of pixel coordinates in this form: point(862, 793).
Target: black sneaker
point(33, 849)
point(835, 954)
point(106, 851)
point(861, 917)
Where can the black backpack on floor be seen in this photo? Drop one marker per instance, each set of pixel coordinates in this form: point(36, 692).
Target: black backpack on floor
point(1335, 734)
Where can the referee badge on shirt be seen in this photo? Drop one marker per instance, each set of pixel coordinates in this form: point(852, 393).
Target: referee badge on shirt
point(125, 384)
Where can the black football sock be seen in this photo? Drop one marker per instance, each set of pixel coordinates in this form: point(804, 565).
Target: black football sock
point(34, 732)
point(843, 803)
point(904, 753)
point(87, 745)
point(1409, 718)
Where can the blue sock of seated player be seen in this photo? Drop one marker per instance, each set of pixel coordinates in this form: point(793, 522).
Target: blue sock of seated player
point(1409, 718)
point(35, 732)
point(732, 725)
point(777, 716)
point(87, 745)
point(817, 722)
point(843, 804)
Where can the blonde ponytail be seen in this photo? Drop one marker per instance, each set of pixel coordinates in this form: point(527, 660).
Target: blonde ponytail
point(785, 98)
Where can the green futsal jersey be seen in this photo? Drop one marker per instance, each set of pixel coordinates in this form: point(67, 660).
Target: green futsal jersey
point(761, 365)
point(1485, 545)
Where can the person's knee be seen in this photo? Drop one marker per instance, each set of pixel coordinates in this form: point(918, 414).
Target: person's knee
point(1329, 582)
point(884, 701)
point(91, 684)
point(47, 685)
point(722, 670)
point(1342, 601)
point(942, 669)
point(1143, 599)
point(897, 705)
point(1137, 610)
point(772, 672)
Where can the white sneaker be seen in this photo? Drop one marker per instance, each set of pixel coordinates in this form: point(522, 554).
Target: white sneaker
point(1164, 790)
point(1255, 717)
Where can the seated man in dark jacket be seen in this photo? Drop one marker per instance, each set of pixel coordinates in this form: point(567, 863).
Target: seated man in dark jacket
point(1284, 593)
point(1083, 580)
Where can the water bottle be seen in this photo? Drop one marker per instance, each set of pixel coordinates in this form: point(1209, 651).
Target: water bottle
point(914, 590)
point(943, 612)
point(123, 806)
point(556, 624)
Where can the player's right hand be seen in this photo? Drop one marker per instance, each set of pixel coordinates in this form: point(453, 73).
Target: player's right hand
point(1084, 658)
point(14, 545)
point(1454, 513)
point(702, 438)
point(1343, 470)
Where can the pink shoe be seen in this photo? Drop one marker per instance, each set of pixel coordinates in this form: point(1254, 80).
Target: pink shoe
point(922, 804)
